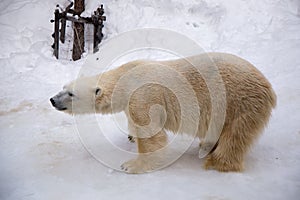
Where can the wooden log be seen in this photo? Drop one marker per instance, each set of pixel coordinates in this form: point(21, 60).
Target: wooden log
point(96, 36)
point(63, 30)
point(98, 19)
point(56, 33)
point(78, 43)
point(64, 22)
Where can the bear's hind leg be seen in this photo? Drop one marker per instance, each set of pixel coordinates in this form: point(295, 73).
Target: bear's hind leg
point(228, 156)
point(234, 142)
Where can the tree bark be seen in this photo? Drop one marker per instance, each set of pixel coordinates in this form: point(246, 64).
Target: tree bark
point(78, 43)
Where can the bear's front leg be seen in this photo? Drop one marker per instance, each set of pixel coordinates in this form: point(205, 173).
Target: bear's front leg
point(151, 154)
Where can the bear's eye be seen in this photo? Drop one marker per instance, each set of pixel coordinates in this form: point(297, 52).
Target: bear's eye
point(97, 91)
point(70, 94)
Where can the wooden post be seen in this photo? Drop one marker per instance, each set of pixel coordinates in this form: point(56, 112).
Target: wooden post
point(96, 41)
point(64, 22)
point(78, 43)
point(98, 25)
point(56, 33)
point(97, 36)
point(63, 30)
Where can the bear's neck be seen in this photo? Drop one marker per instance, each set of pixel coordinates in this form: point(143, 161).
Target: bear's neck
point(113, 99)
point(116, 84)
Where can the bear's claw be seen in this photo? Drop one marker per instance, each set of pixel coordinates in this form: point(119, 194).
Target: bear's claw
point(131, 138)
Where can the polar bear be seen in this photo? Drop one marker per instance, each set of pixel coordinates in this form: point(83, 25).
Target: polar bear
point(153, 96)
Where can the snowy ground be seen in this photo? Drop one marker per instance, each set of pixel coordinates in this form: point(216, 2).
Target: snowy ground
point(41, 154)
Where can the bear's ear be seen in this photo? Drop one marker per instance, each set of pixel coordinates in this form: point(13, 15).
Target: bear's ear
point(98, 91)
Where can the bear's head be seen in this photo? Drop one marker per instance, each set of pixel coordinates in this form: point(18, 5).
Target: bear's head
point(82, 96)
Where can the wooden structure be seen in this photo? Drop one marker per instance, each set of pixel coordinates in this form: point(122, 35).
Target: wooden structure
point(73, 15)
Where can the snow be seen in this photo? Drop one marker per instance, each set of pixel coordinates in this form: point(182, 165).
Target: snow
point(42, 156)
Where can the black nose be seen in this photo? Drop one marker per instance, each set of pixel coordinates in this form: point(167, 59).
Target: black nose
point(52, 102)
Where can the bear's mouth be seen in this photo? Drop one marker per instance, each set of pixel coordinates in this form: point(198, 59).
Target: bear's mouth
point(61, 109)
